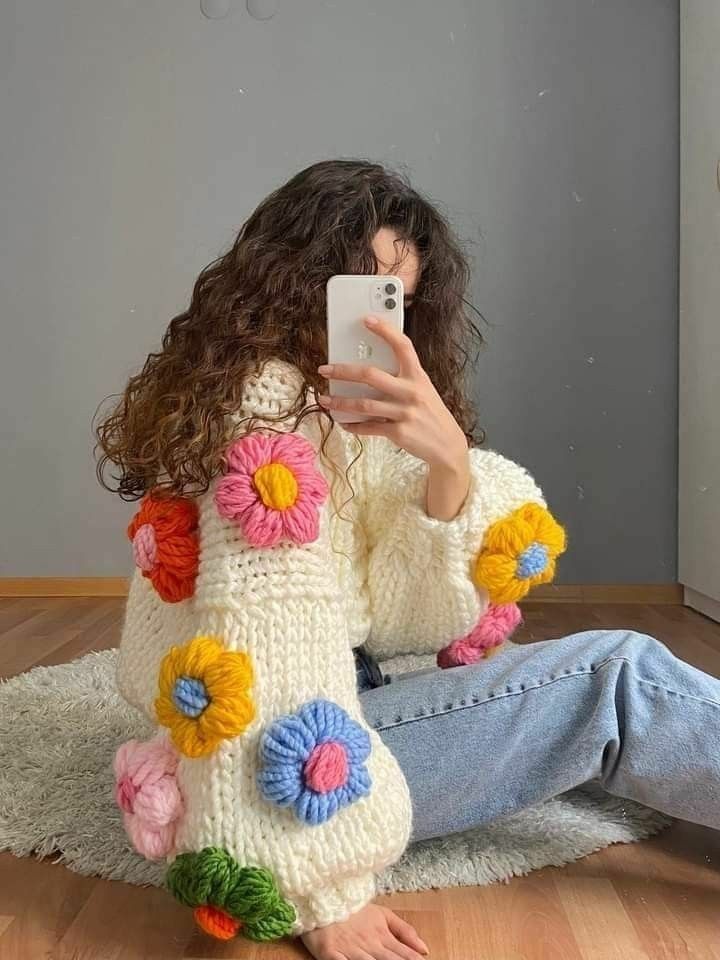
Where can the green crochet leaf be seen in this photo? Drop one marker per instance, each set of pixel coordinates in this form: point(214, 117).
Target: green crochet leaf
point(253, 896)
point(205, 877)
point(271, 927)
point(249, 894)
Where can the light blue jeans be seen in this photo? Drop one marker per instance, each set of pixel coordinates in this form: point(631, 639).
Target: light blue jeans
point(483, 741)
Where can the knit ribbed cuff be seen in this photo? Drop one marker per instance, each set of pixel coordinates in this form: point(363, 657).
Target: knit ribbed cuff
point(334, 903)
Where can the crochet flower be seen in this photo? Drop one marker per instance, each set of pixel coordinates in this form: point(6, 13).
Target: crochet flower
point(272, 489)
point(147, 793)
point(314, 761)
point(490, 632)
point(228, 898)
point(165, 545)
point(518, 553)
point(204, 695)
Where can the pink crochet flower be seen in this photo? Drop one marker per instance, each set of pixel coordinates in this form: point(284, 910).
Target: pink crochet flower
point(491, 630)
point(272, 489)
point(146, 791)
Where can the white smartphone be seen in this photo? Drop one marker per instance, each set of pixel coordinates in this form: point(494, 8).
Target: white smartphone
point(349, 300)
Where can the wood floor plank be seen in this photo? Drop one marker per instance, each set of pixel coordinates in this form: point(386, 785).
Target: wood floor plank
point(102, 634)
point(43, 898)
point(18, 658)
point(33, 641)
point(672, 893)
point(132, 923)
point(668, 928)
point(668, 885)
point(599, 921)
point(523, 920)
point(13, 612)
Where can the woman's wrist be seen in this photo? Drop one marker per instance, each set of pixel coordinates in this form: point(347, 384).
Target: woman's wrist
point(448, 483)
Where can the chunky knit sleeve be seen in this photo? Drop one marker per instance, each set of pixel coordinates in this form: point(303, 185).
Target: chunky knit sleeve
point(454, 584)
point(265, 790)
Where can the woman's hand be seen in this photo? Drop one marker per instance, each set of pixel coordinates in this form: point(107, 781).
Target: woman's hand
point(373, 933)
point(412, 415)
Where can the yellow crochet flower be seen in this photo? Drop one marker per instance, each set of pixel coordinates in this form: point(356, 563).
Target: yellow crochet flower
point(204, 695)
point(519, 552)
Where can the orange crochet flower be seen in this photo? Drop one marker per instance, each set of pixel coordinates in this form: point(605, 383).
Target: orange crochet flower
point(518, 553)
point(164, 534)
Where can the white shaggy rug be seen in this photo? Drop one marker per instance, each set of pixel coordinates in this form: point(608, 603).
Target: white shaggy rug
point(60, 727)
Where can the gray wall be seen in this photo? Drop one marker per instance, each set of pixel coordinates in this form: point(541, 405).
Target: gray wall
point(136, 137)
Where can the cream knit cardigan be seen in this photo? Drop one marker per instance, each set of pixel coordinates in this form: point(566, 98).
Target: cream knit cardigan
point(381, 572)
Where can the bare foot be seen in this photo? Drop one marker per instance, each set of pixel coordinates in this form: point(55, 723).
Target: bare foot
point(373, 933)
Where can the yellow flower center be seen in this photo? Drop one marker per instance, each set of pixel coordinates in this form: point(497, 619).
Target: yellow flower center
point(276, 485)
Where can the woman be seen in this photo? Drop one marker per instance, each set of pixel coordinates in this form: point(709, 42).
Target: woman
point(271, 543)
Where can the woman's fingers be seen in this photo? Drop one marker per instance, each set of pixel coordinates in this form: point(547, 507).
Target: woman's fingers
point(393, 951)
point(405, 932)
point(398, 951)
point(380, 409)
point(369, 428)
point(401, 344)
point(363, 373)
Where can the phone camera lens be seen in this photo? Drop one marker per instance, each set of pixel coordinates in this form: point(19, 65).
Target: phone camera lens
point(390, 303)
point(390, 288)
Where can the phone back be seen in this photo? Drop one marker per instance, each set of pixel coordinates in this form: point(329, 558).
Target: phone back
point(349, 300)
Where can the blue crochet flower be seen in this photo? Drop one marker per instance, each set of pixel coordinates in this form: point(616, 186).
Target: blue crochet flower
point(314, 761)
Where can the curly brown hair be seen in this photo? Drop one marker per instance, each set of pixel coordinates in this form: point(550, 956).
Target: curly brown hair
point(265, 298)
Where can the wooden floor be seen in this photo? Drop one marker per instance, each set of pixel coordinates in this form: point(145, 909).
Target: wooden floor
point(655, 900)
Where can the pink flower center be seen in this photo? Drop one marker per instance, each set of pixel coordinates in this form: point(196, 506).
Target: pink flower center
point(327, 767)
point(125, 793)
point(145, 547)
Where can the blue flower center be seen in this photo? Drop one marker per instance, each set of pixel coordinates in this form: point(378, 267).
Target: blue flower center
point(532, 561)
point(190, 696)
